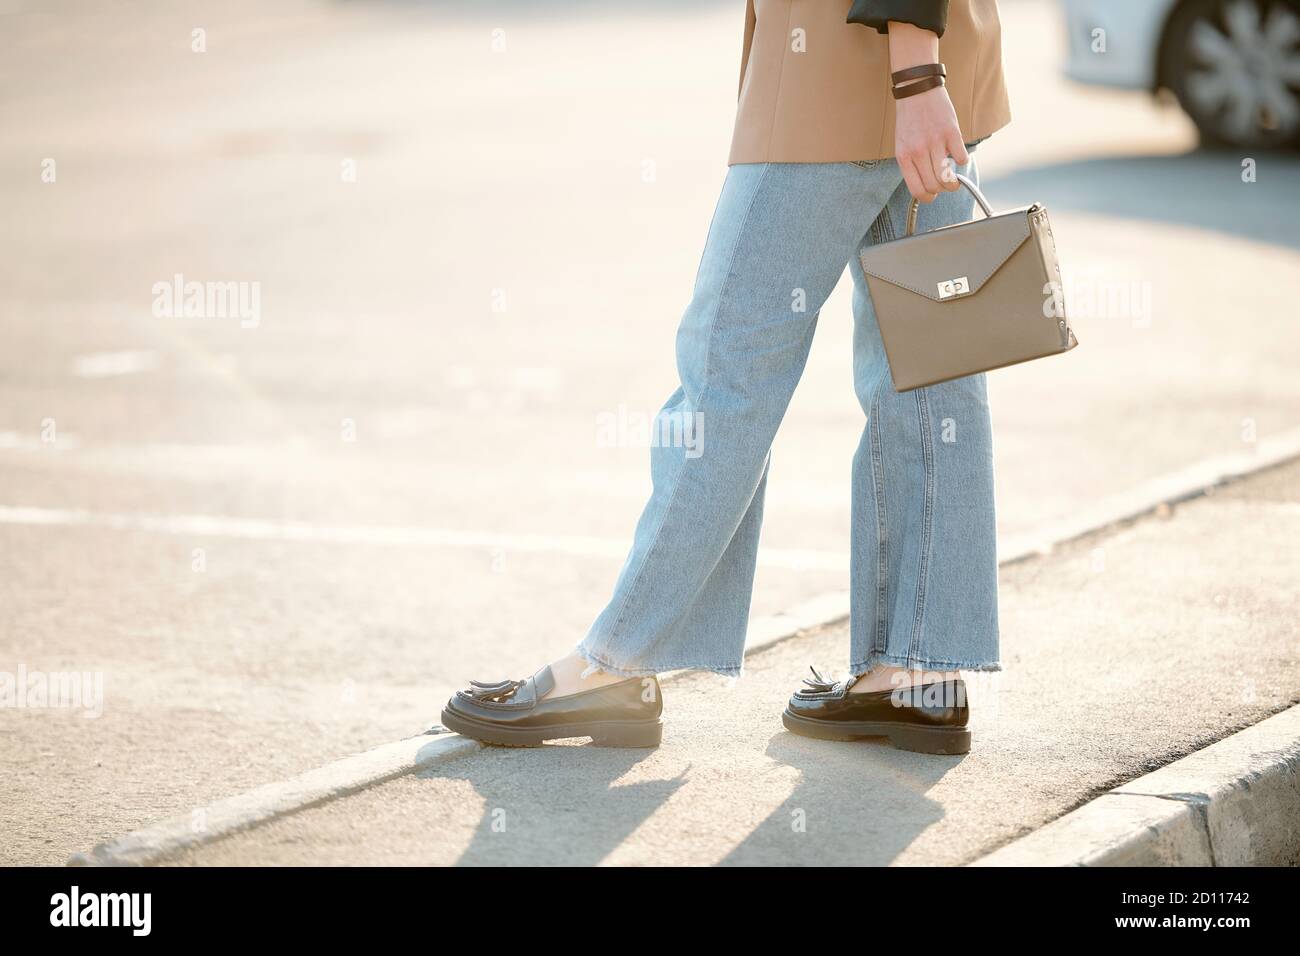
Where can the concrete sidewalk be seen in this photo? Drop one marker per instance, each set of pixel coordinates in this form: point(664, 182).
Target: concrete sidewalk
point(1124, 651)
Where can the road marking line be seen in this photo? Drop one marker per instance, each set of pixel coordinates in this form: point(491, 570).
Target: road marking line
point(258, 529)
point(111, 364)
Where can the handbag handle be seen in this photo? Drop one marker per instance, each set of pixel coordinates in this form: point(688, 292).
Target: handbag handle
point(975, 191)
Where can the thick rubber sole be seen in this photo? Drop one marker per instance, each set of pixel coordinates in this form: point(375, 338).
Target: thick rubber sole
point(913, 737)
point(609, 733)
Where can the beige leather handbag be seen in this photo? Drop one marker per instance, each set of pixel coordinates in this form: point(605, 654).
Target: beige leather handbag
point(970, 297)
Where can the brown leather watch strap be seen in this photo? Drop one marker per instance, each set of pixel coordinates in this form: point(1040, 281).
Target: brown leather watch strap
point(917, 72)
point(920, 86)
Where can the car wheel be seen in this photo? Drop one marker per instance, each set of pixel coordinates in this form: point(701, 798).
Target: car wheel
point(1235, 67)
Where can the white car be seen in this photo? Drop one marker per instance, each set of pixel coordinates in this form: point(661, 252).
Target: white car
point(1233, 64)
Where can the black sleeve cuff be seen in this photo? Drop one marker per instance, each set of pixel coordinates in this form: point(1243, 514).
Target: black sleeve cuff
point(926, 14)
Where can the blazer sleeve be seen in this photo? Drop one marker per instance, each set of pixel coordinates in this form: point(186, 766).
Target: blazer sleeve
point(926, 14)
point(750, 20)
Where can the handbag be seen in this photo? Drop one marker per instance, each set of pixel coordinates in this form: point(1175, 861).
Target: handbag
point(969, 297)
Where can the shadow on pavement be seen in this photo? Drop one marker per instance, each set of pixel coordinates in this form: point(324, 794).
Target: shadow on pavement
point(558, 805)
point(569, 797)
point(865, 795)
point(1202, 189)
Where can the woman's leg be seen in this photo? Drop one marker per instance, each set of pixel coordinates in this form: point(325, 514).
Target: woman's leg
point(924, 556)
point(780, 238)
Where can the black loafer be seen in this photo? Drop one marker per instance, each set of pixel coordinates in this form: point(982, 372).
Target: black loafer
point(512, 713)
point(927, 718)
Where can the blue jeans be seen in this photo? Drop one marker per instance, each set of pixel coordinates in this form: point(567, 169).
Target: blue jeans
point(923, 556)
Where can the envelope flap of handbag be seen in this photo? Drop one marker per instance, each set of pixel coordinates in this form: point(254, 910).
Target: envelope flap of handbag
point(950, 262)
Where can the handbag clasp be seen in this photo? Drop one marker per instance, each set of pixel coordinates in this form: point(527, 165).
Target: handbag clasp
point(953, 287)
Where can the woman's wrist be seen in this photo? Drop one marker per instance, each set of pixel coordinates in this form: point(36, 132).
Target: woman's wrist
point(910, 45)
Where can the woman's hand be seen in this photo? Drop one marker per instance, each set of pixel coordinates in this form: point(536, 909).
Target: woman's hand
point(925, 125)
point(925, 135)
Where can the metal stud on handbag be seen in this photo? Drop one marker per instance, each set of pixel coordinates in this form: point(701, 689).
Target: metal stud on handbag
point(969, 297)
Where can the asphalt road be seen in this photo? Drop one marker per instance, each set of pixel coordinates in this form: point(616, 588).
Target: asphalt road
point(287, 535)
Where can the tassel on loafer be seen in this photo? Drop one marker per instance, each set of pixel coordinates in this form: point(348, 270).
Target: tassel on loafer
point(517, 713)
point(927, 718)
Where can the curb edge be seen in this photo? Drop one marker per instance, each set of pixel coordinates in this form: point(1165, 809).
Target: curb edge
point(280, 798)
point(1233, 803)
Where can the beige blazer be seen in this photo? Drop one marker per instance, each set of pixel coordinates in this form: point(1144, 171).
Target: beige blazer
point(815, 89)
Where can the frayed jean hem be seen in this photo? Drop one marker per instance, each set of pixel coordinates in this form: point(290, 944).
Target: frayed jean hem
point(872, 661)
point(609, 667)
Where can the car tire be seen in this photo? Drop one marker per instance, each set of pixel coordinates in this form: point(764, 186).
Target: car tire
point(1234, 66)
